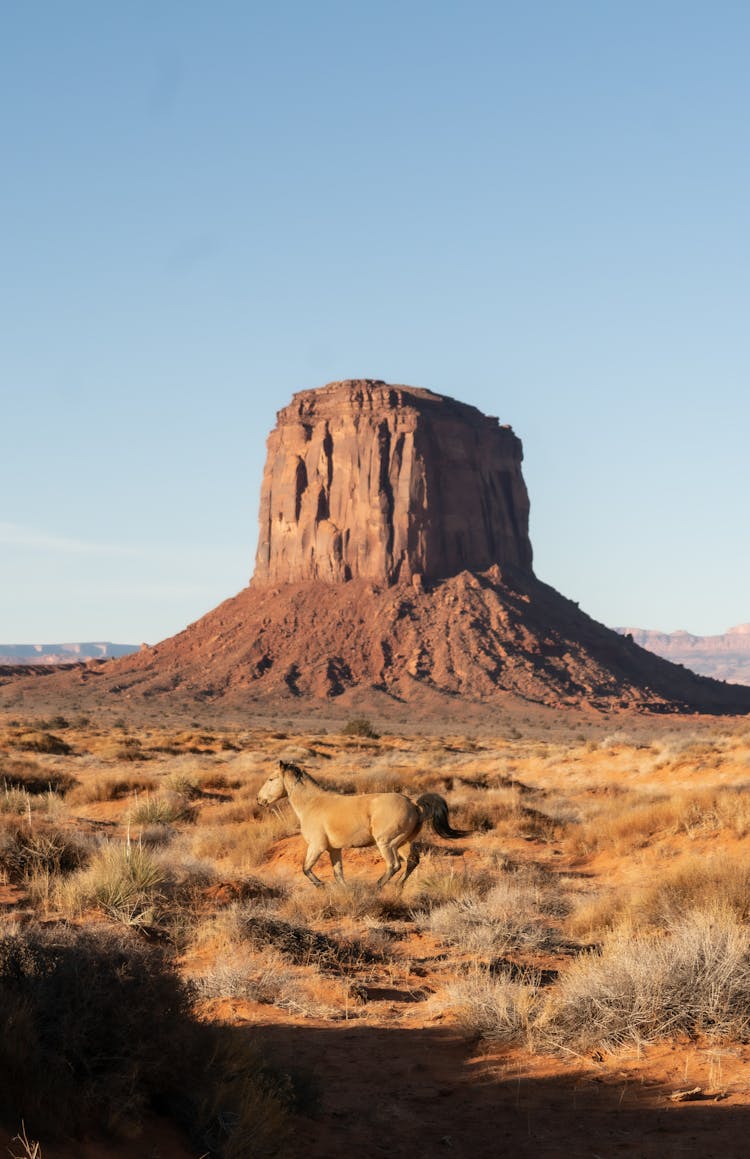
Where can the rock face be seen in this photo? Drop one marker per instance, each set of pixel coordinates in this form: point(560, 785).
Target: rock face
point(369, 481)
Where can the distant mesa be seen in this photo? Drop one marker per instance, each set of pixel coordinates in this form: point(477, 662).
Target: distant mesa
point(394, 568)
point(62, 653)
point(722, 657)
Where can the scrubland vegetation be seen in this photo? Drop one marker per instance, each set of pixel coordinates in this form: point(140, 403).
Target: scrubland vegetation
point(153, 912)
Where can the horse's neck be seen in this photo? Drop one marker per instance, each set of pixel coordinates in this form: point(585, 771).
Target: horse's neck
point(300, 792)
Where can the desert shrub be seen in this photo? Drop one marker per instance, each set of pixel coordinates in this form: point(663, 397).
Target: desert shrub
point(157, 836)
point(16, 801)
point(124, 882)
point(96, 1026)
point(161, 809)
point(33, 777)
point(110, 787)
point(48, 850)
point(55, 723)
point(495, 1007)
point(692, 883)
point(353, 899)
point(304, 946)
point(263, 976)
point(638, 988)
point(360, 726)
point(437, 882)
point(187, 785)
point(507, 918)
point(30, 1148)
point(39, 741)
point(130, 751)
point(88, 1019)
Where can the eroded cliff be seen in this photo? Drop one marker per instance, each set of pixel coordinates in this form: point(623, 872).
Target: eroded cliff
point(369, 481)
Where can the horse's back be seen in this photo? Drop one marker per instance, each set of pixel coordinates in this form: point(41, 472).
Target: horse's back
point(362, 819)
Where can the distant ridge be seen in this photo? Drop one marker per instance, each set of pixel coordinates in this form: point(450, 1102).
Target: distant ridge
point(722, 657)
point(15, 654)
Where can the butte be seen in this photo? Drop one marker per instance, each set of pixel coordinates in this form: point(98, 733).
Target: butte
point(394, 567)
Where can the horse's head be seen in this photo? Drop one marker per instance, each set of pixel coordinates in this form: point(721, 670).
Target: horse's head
point(281, 783)
point(273, 789)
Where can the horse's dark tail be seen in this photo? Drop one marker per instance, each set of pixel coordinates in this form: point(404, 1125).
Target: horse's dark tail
point(434, 809)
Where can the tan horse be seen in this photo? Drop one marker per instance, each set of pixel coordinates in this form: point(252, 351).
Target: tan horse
point(330, 822)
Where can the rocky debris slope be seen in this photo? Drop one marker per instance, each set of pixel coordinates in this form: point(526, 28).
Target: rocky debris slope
point(478, 637)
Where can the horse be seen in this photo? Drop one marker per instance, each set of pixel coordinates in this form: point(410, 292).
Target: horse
point(330, 821)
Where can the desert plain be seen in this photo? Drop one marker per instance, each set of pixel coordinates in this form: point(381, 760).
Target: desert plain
point(572, 978)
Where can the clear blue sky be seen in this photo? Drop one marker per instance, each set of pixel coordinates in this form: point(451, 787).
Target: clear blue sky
point(539, 207)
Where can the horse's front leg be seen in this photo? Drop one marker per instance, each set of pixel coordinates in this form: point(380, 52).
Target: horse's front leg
point(312, 855)
point(338, 865)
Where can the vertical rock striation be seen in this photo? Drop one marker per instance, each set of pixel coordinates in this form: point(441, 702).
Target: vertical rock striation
point(388, 483)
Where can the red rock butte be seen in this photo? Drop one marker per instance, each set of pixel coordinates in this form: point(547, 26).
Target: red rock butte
point(369, 481)
point(393, 575)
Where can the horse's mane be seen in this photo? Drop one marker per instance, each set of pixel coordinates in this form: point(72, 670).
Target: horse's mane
point(300, 775)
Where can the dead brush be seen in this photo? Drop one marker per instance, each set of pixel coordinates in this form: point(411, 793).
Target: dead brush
point(497, 1007)
point(304, 946)
point(263, 976)
point(621, 825)
point(506, 918)
point(26, 853)
point(110, 787)
point(693, 979)
point(19, 802)
point(354, 900)
point(39, 741)
point(693, 883)
point(242, 843)
point(31, 1149)
point(33, 777)
point(440, 881)
point(164, 808)
point(107, 1032)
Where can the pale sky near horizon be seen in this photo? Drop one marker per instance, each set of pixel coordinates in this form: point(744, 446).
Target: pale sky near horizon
point(539, 208)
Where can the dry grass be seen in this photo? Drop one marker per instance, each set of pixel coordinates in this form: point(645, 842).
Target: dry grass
point(499, 1008)
point(505, 919)
point(635, 843)
point(110, 787)
point(695, 882)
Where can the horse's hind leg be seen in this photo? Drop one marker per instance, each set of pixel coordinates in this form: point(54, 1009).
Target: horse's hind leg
point(392, 862)
point(412, 861)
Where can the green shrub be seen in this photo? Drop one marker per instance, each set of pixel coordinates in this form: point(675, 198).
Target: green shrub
point(360, 726)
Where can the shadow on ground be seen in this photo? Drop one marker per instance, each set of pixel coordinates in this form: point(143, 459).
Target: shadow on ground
point(410, 1094)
